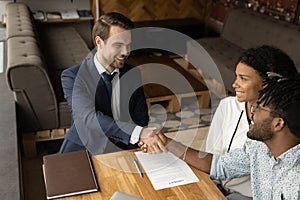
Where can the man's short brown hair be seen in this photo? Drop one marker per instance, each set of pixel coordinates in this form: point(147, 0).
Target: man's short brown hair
point(102, 26)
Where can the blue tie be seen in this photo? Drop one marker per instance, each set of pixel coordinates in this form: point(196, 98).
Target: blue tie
point(107, 79)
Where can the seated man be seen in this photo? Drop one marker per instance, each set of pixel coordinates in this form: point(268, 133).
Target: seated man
point(104, 93)
point(272, 157)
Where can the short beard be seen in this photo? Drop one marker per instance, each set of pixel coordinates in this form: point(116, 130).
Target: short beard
point(261, 131)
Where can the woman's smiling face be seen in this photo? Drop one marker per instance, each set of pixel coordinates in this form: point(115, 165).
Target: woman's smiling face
point(247, 83)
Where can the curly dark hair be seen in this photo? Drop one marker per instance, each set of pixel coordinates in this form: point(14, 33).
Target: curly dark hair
point(266, 58)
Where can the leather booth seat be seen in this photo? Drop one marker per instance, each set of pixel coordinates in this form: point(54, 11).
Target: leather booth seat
point(35, 59)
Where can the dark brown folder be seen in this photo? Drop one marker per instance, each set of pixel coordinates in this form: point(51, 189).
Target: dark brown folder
point(68, 174)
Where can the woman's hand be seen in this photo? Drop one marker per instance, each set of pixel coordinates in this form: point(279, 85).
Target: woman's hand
point(150, 149)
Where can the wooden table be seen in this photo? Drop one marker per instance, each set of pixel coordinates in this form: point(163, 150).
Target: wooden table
point(116, 172)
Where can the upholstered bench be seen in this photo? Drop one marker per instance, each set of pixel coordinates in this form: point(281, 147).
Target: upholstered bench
point(243, 29)
point(35, 60)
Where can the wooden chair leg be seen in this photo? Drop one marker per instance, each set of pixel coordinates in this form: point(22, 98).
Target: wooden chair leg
point(174, 104)
point(29, 146)
point(204, 100)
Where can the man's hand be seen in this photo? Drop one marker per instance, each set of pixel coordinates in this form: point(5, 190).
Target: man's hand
point(158, 144)
point(151, 141)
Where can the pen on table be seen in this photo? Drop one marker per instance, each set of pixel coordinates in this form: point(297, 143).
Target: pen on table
point(138, 167)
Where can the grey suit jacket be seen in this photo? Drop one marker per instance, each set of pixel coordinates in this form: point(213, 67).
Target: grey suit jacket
point(93, 125)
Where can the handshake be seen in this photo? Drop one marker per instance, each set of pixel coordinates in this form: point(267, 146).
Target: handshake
point(153, 141)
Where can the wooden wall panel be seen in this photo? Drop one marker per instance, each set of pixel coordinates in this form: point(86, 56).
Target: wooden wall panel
point(144, 10)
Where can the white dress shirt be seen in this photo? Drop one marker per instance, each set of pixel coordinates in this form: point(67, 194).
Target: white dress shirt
point(115, 98)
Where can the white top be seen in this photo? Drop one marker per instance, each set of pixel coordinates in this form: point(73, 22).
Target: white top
point(221, 130)
point(223, 125)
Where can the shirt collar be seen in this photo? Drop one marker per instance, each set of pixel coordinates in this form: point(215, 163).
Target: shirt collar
point(100, 67)
point(291, 156)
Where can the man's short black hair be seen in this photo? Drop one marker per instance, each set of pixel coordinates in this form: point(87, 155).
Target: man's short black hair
point(282, 95)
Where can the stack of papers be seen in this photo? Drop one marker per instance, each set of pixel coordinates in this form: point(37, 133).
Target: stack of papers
point(38, 15)
point(53, 16)
point(165, 170)
point(85, 14)
point(69, 14)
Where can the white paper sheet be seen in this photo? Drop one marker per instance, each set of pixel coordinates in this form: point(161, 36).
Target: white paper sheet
point(165, 170)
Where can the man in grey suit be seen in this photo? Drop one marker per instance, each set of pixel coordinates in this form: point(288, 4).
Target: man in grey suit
point(105, 94)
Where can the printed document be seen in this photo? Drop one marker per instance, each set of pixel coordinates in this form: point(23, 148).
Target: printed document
point(165, 170)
